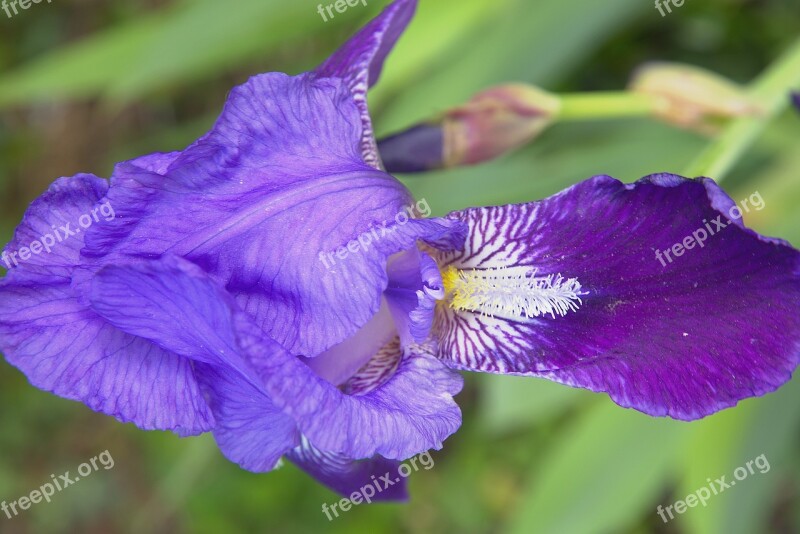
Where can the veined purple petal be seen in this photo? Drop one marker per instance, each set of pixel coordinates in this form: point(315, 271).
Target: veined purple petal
point(359, 62)
point(374, 373)
point(65, 348)
point(683, 338)
point(415, 285)
point(169, 302)
point(52, 221)
point(339, 363)
point(176, 288)
point(251, 431)
point(346, 476)
point(276, 203)
point(411, 412)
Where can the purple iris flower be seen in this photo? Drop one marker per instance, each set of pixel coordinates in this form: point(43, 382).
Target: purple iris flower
point(227, 295)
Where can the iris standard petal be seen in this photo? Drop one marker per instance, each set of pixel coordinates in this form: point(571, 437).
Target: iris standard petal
point(52, 221)
point(411, 412)
point(277, 203)
point(359, 62)
point(65, 348)
point(341, 473)
point(594, 305)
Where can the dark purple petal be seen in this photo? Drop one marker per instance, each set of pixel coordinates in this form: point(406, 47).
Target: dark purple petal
point(411, 412)
point(268, 202)
point(685, 338)
point(796, 99)
point(359, 63)
point(64, 348)
point(346, 476)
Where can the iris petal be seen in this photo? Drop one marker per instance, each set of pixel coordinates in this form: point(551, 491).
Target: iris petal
point(346, 476)
point(340, 363)
point(359, 63)
point(65, 348)
point(55, 213)
point(277, 203)
point(170, 302)
point(251, 431)
point(411, 412)
point(415, 285)
point(682, 338)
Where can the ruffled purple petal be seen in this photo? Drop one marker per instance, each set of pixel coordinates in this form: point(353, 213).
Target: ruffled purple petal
point(251, 431)
point(169, 302)
point(65, 348)
point(683, 338)
point(276, 203)
point(176, 289)
point(348, 477)
point(411, 412)
point(359, 63)
point(415, 285)
point(52, 221)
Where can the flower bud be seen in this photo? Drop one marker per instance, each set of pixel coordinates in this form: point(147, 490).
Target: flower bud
point(692, 97)
point(417, 149)
point(496, 121)
point(492, 123)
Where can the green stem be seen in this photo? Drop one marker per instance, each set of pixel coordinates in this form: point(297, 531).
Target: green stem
point(605, 105)
point(771, 91)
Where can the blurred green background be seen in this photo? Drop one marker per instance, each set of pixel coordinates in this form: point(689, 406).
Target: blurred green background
point(86, 83)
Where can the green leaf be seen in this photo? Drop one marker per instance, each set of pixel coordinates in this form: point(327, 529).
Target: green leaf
point(514, 44)
point(725, 442)
point(182, 43)
point(602, 474)
point(513, 402)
